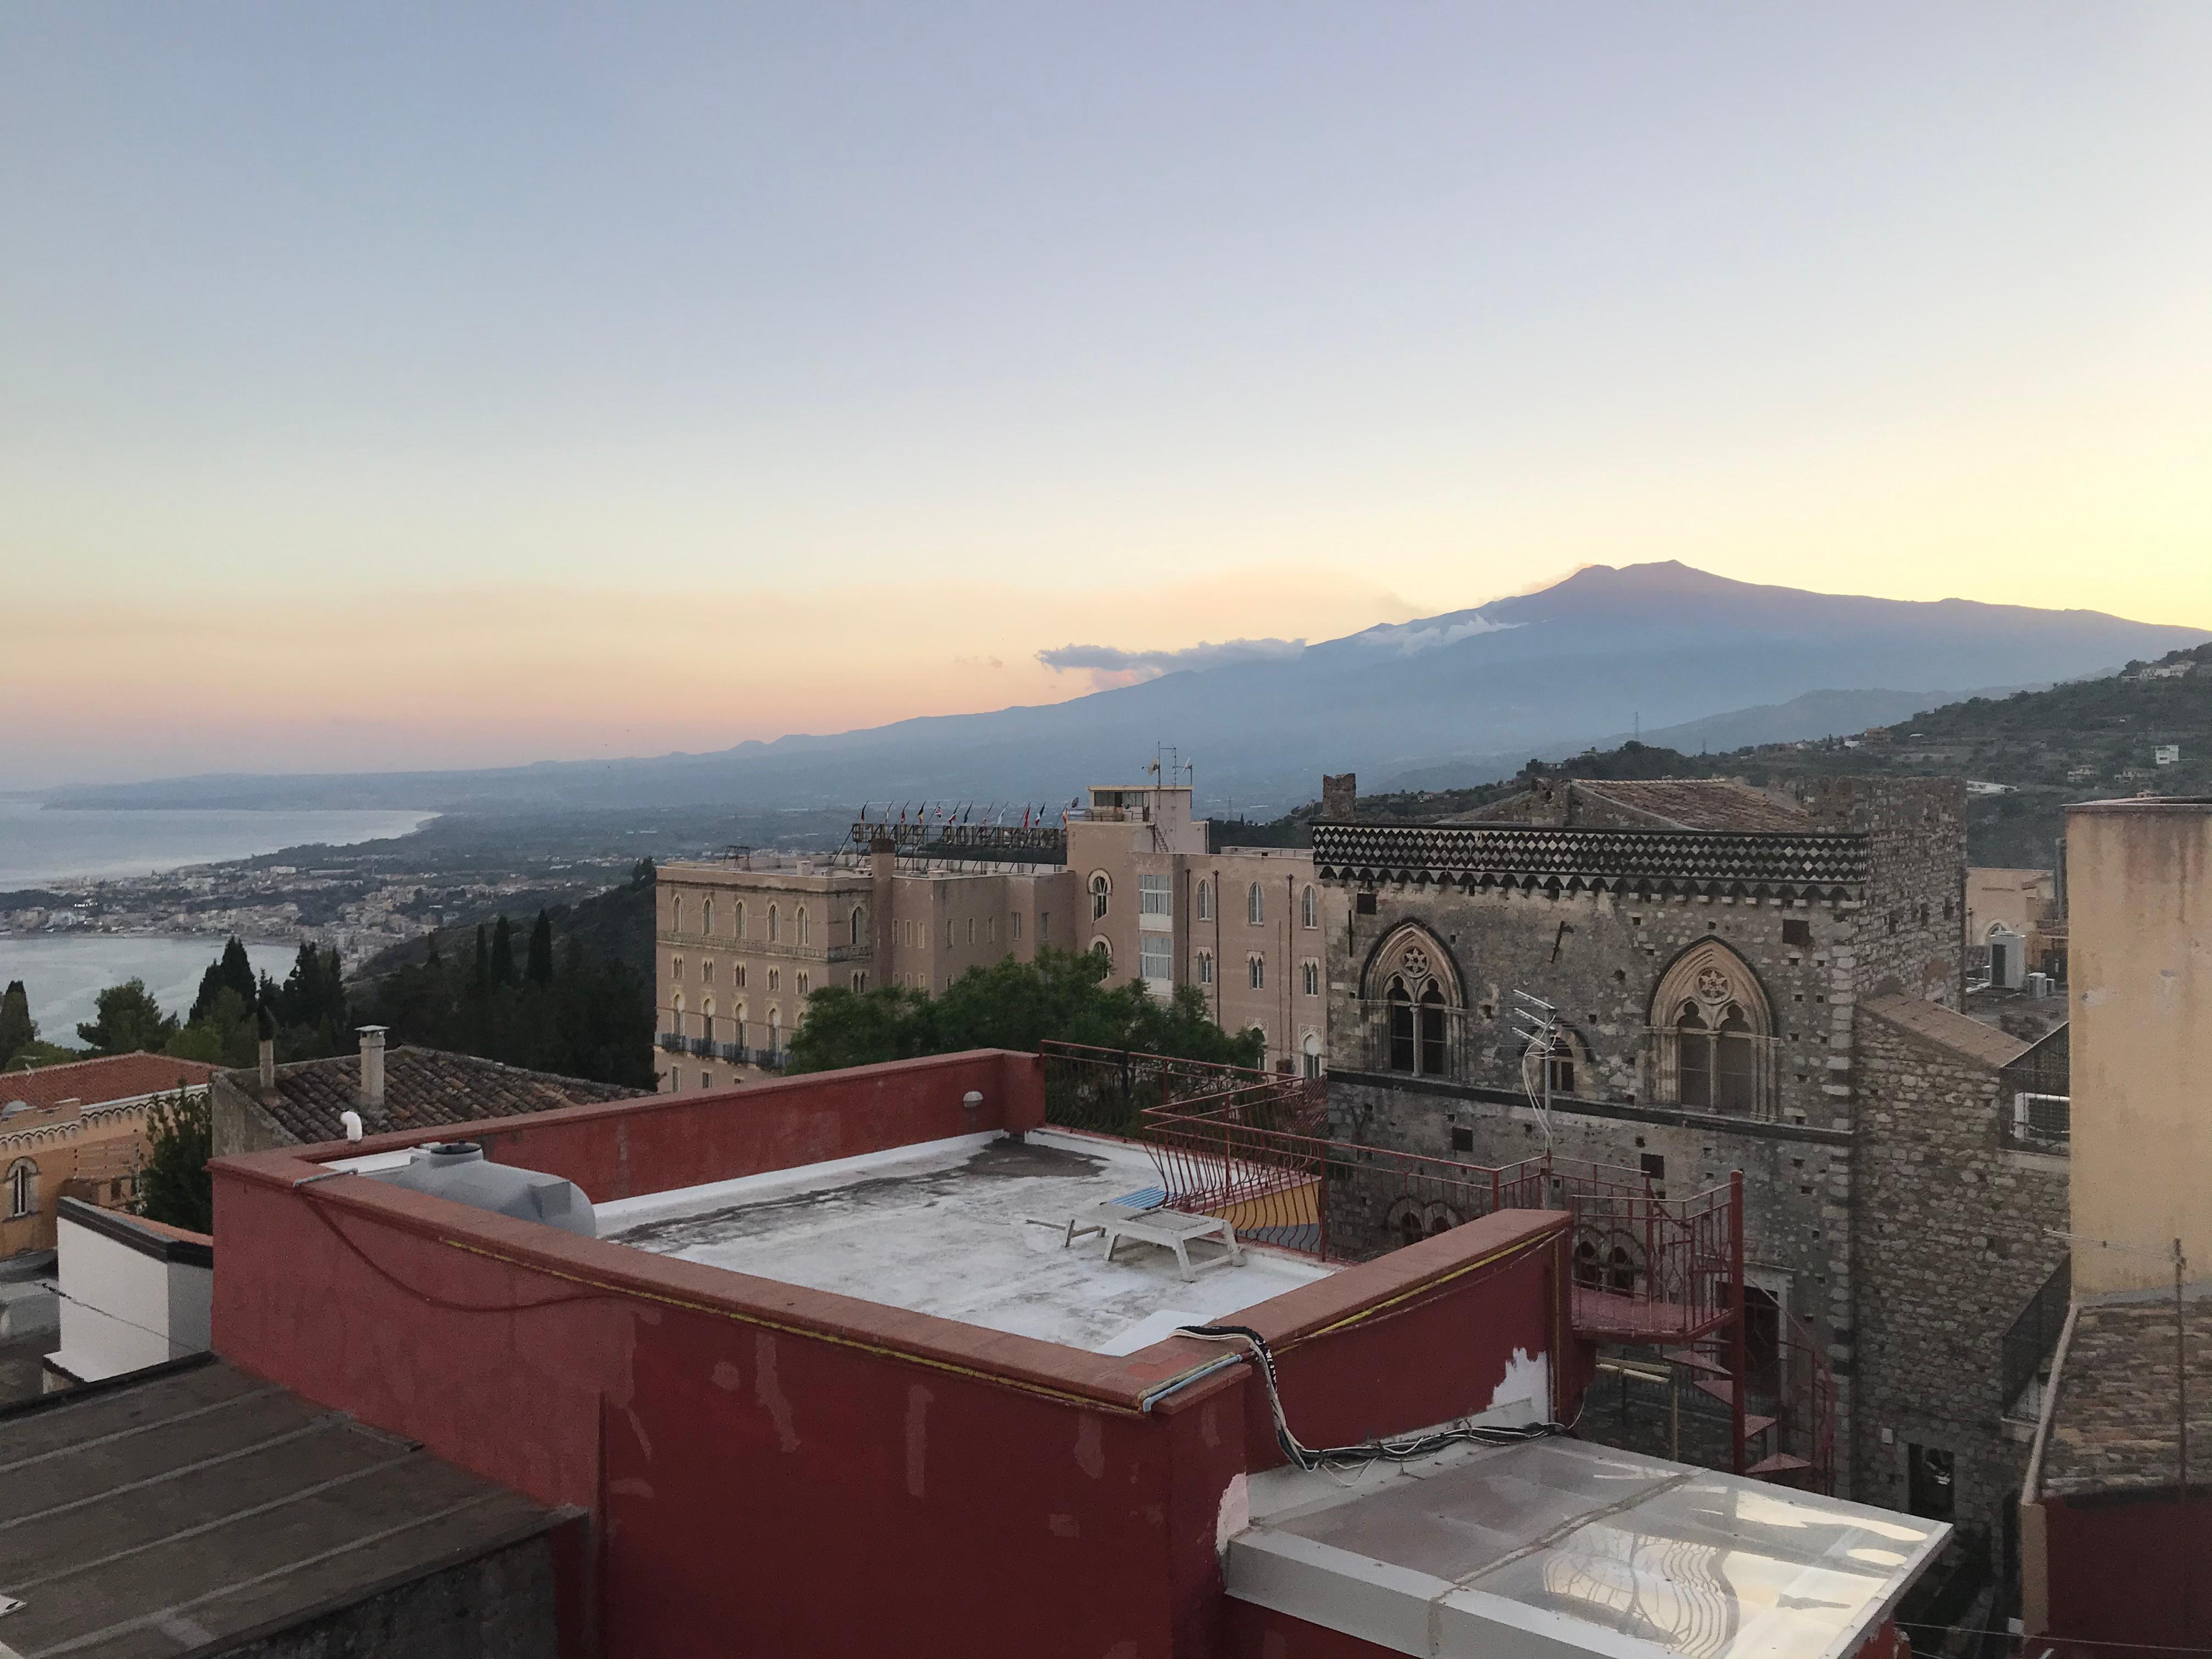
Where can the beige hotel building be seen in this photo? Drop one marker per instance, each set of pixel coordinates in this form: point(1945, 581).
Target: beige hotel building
point(743, 942)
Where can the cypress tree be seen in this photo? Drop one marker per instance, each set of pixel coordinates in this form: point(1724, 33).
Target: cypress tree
point(482, 977)
point(502, 953)
point(237, 969)
point(539, 970)
point(17, 1027)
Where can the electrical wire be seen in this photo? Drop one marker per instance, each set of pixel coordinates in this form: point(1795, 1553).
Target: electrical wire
point(1393, 1449)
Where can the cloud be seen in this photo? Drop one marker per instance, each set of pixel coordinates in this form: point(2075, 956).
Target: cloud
point(1109, 665)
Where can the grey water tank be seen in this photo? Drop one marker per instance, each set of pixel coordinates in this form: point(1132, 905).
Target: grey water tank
point(459, 1170)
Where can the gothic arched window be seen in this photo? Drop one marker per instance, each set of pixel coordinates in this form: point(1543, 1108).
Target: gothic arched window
point(1206, 900)
point(1309, 908)
point(1712, 1030)
point(1411, 992)
point(1256, 906)
point(773, 924)
point(1101, 889)
point(22, 1187)
point(859, 926)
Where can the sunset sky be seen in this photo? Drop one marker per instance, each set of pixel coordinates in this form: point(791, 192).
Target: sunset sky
point(388, 386)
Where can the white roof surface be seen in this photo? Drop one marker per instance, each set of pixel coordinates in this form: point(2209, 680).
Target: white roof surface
point(940, 1228)
point(1558, 1548)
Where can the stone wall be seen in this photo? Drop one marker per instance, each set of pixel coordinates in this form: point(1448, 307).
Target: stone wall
point(1954, 1234)
point(1910, 938)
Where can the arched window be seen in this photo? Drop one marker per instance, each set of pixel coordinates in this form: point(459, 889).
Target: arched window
point(1255, 971)
point(737, 921)
point(1206, 900)
point(737, 1020)
point(1100, 949)
point(774, 929)
point(1411, 993)
point(1559, 1066)
point(1309, 908)
point(740, 981)
point(774, 1029)
point(707, 915)
point(706, 1019)
point(1309, 977)
point(1311, 1048)
point(859, 926)
point(804, 935)
point(859, 983)
point(1256, 907)
point(1711, 1026)
point(675, 1015)
point(1205, 967)
point(676, 913)
point(805, 987)
point(775, 979)
point(22, 1188)
point(1100, 890)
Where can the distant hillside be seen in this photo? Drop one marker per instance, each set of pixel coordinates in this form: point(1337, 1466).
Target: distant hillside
point(1475, 691)
point(616, 925)
point(2083, 740)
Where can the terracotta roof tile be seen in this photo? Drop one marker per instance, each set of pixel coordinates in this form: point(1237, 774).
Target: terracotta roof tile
point(95, 1082)
point(423, 1088)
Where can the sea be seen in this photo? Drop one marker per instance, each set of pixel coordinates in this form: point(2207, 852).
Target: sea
point(63, 973)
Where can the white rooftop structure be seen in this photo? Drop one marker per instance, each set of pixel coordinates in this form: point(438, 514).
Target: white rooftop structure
point(1558, 1546)
point(945, 1228)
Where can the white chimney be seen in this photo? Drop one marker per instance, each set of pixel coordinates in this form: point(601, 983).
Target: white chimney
point(267, 1066)
point(371, 1066)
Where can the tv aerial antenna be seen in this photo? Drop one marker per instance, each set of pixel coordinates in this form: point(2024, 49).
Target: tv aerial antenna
point(1536, 1023)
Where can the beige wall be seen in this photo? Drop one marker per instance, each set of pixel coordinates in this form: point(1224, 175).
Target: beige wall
point(91, 1156)
point(2139, 895)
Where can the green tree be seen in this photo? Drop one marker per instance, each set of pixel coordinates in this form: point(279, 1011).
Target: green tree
point(174, 1186)
point(1062, 995)
point(233, 970)
point(482, 980)
point(502, 953)
point(539, 970)
point(226, 1034)
point(127, 1019)
point(17, 1029)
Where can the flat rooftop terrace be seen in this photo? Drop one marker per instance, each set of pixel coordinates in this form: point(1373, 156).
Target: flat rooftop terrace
point(944, 1228)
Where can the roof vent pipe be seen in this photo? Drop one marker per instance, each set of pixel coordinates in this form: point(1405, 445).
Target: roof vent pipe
point(371, 1067)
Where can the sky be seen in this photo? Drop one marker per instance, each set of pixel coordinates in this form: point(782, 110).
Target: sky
point(403, 385)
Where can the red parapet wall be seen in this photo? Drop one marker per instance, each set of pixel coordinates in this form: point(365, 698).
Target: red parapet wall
point(2129, 1569)
point(779, 1470)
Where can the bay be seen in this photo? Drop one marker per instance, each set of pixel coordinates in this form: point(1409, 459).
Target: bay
point(41, 844)
point(64, 974)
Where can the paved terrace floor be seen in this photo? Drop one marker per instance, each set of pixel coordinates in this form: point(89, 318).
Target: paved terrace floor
point(939, 1228)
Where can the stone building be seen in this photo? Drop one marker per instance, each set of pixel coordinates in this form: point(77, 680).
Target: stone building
point(1735, 976)
point(78, 1130)
point(742, 942)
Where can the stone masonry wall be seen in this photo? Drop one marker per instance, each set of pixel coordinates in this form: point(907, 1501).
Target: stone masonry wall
point(1954, 1234)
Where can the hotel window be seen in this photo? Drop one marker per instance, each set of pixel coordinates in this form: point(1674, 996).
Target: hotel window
point(773, 920)
point(1154, 898)
point(675, 968)
point(707, 915)
point(741, 975)
point(676, 1019)
point(1156, 955)
point(676, 914)
point(859, 983)
point(803, 986)
point(1017, 927)
point(707, 971)
point(991, 930)
point(1309, 908)
point(1205, 967)
point(1102, 950)
point(1255, 969)
point(803, 934)
point(775, 979)
point(1044, 927)
point(971, 930)
point(1100, 890)
point(860, 927)
point(1256, 907)
point(1309, 977)
point(1206, 900)
point(950, 938)
point(737, 921)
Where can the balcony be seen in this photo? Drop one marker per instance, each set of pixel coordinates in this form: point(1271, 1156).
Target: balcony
point(2024, 1357)
point(670, 1043)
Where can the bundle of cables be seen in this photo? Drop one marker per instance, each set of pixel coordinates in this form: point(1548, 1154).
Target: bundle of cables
point(1336, 1459)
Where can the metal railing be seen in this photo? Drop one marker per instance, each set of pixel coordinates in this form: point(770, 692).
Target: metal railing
point(2032, 1336)
point(669, 1041)
point(1108, 1090)
point(2039, 1122)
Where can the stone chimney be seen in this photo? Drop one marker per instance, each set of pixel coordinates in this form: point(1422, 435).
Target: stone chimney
point(1339, 795)
point(371, 1067)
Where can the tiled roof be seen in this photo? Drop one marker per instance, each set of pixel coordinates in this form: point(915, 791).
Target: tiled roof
point(1950, 1029)
point(2113, 1426)
point(1533, 856)
point(1670, 803)
point(423, 1088)
point(113, 1077)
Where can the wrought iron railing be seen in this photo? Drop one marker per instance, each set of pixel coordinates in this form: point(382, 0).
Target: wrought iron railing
point(2029, 1343)
point(671, 1041)
point(1108, 1090)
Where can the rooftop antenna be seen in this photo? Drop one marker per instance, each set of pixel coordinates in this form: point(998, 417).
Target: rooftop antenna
point(1536, 1023)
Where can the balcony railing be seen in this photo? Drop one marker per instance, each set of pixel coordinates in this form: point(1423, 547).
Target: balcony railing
point(2028, 1344)
point(671, 1042)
